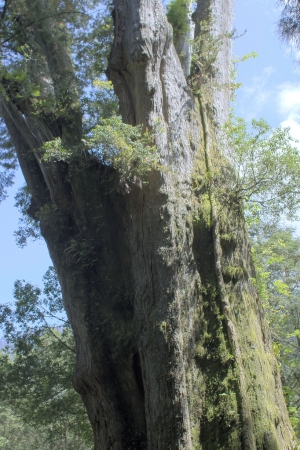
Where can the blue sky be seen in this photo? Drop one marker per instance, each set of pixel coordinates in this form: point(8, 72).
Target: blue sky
point(271, 89)
point(29, 263)
point(271, 82)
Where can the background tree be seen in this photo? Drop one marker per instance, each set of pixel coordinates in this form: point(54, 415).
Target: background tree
point(267, 162)
point(36, 392)
point(154, 261)
point(288, 24)
point(276, 254)
point(268, 171)
point(14, 435)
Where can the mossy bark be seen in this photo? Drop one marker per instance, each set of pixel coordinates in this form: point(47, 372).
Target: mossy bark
point(172, 349)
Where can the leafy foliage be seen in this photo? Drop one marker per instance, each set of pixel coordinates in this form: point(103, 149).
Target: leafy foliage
point(14, 435)
point(101, 102)
point(8, 162)
point(277, 261)
point(37, 377)
point(38, 385)
point(130, 150)
point(268, 182)
point(177, 14)
point(268, 168)
point(28, 224)
point(26, 321)
point(85, 28)
point(234, 85)
point(205, 49)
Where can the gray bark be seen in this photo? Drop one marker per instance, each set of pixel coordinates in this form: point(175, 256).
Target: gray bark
point(219, 15)
point(172, 352)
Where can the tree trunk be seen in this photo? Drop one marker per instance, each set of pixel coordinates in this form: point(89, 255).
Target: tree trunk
point(172, 350)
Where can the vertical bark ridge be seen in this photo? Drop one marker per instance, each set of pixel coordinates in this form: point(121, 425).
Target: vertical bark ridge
point(248, 431)
point(99, 307)
point(218, 17)
point(147, 57)
point(34, 133)
point(27, 161)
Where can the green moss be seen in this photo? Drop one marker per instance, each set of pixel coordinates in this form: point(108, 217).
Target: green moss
point(239, 399)
point(219, 420)
point(232, 272)
point(220, 425)
point(206, 209)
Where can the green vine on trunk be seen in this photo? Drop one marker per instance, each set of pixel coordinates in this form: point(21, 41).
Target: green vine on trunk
point(205, 50)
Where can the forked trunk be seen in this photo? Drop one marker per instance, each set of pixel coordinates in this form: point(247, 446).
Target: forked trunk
point(172, 351)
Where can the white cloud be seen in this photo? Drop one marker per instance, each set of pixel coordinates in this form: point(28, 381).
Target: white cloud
point(256, 94)
point(289, 107)
point(258, 83)
point(294, 127)
point(289, 99)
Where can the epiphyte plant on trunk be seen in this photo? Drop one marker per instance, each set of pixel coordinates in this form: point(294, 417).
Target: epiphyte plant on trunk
point(172, 350)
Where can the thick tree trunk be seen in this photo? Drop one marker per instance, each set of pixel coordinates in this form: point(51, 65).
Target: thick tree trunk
point(172, 351)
